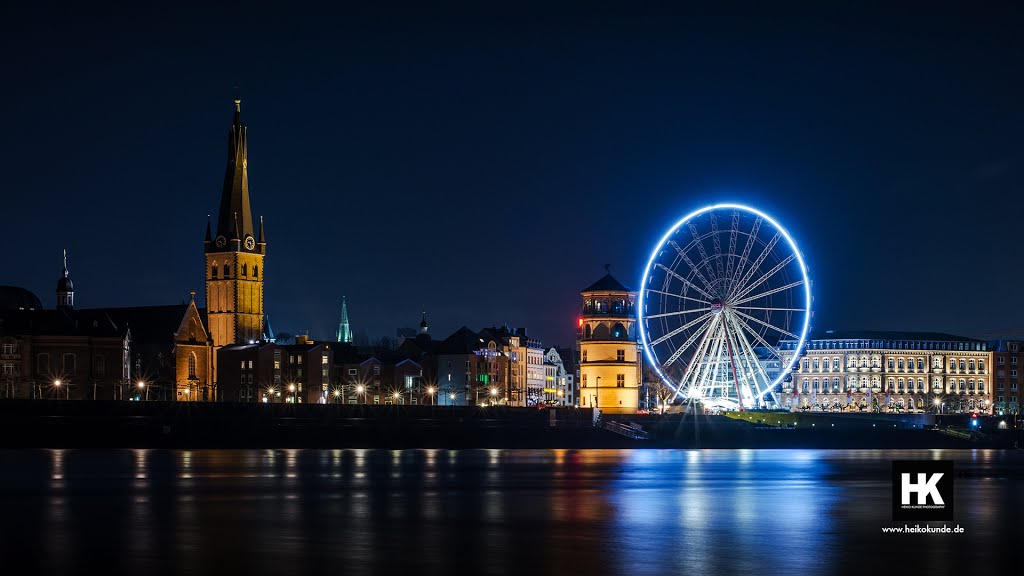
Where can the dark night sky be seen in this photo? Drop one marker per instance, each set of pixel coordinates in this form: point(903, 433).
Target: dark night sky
point(486, 162)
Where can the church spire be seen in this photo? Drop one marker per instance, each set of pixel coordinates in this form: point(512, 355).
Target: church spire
point(344, 331)
point(235, 216)
point(423, 323)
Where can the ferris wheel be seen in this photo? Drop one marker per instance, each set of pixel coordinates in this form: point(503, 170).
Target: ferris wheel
point(720, 290)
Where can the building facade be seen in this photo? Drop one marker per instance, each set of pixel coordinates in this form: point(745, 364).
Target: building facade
point(1007, 392)
point(888, 371)
point(609, 354)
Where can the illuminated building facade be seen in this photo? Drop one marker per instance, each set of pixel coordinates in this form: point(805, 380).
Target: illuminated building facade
point(609, 354)
point(888, 371)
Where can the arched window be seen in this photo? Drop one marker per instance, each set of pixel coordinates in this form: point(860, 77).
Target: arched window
point(952, 364)
point(227, 270)
point(920, 363)
point(890, 384)
point(835, 364)
point(601, 332)
point(806, 386)
point(255, 271)
point(853, 382)
point(971, 364)
point(963, 365)
point(245, 269)
point(192, 365)
point(981, 365)
point(891, 364)
point(586, 331)
point(817, 385)
point(619, 331)
point(899, 384)
point(900, 364)
point(213, 270)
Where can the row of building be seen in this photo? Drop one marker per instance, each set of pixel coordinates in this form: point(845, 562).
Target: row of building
point(226, 351)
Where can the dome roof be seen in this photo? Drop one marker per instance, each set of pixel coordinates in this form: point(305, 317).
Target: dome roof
point(64, 284)
point(16, 298)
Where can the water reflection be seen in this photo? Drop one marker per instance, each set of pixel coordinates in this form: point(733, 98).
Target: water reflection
point(490, 511)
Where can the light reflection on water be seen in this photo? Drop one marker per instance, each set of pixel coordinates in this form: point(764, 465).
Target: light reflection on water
point(492, 511)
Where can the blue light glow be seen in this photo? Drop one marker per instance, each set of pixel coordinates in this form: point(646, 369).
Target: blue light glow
point(645, 341)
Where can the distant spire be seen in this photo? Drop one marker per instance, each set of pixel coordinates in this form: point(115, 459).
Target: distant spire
point(263, 239)
point(344, 330)
point(192, 293)
point(423, 323)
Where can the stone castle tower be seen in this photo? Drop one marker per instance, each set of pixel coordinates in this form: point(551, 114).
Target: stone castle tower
point(609, 353)
point(234, 256)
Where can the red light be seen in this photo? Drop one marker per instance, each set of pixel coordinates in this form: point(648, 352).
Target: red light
point(581, 322)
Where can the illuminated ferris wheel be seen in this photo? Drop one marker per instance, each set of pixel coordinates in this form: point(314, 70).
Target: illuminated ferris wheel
point(720, 290)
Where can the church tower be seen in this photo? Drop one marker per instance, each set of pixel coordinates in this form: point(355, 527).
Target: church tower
point(609, 353)
point(234, 256)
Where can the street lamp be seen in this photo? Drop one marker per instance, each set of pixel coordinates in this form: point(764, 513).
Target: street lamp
point(397, 395)
point(142, 386)
point(291, 390)
point(336, 394)
point(360, 390)
point(67, 389)
point(430, 392)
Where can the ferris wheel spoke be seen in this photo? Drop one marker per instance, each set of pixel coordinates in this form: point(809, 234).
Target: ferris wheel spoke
point(678, 296)
point(676, 275)
point(745, 257)
point(693, 267)
point(767, 325)
point(694, 362)
point(753, 354)
point(768, 309)
point(680, 313)
point(700, 249)
point(689, 342)
point(680, 329)
point(768, 293)
point(718, 247)
point(734, 229)
point(753, 333)
point(756, 264)
point(764, 278)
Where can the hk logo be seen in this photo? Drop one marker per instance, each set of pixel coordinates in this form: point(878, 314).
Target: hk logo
point(922, 490)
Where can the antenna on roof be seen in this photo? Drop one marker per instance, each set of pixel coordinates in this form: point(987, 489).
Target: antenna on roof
point(607, 268)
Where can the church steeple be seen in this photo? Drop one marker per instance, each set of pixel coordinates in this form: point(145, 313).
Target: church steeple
point(234, 221)
point(344, 330)
point(423, 323)
point(65, 288)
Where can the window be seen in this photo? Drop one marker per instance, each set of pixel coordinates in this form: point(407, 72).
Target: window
point(817, 385)
point(213, 270)
point(891, 362)
point(971, 364)
point(920, 363)
point(250, 364)
point(9, 348)
point(69, 363)
point(584, 355)
point(245, 269)
point(952, 364)
point(42, 364)
point(620, 380)
point(323, 359)
point(835, 364)
point(899, 384)
point(376, 369)
point(99, 364)
point(805, 385)
point(805, 366)
point(227, 271)
point(620, 355)
point(1013, 360)
point(1013, 373)
point(192, 365)
point(255, 271)
point(817, 366)
point(937, 362)
point(963, 365)
point(583, 382)
point(351, 371)
point(981, 365)
point(243, 364)
point(8, 370)
point(900, 363)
